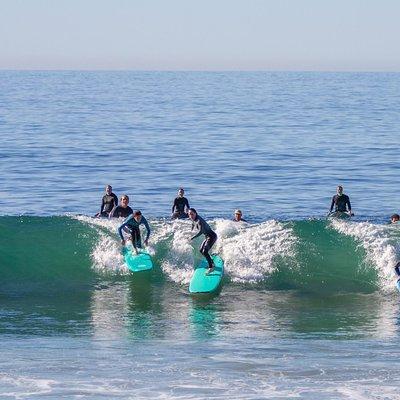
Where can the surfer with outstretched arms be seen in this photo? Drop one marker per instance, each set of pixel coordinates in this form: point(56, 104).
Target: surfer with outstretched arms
point(108, 202)
point(122, 210)
point(341, 202)
point(180, 206)
point(210, 236)
point(132, 223)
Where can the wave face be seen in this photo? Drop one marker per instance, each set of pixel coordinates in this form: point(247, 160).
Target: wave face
point(310, 255)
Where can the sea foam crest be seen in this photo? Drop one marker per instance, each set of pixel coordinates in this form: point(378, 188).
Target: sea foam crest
point(249, 251)
point(381, 244)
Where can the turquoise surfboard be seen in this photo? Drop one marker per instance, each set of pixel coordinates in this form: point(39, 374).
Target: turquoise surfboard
point(137, 262)
point(203, 283)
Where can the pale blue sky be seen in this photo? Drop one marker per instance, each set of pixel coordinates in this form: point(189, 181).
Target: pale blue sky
point(333, 35)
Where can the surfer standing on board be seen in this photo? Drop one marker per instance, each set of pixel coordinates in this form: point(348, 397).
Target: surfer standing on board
point(210, 236)
point(108, 202)
point(132, 223)
point(341, 202)
point(180, 206)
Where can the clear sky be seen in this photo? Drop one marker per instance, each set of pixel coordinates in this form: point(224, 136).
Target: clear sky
point(319, 35)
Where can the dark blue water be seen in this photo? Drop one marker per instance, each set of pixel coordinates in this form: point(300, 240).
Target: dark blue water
point(274, 144)
point(308, 308)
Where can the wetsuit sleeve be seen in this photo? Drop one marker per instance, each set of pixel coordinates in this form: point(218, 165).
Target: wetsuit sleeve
point(348, 203)
point(102, 205)
point(115, 200)
point(187, 203)
point(146, 224)
point(123, 225)
point(199, 232)
point(173, 206)
point(332, 204)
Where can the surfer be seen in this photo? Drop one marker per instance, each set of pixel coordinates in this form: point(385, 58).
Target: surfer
point(238, 216)
point(394, 218)
point(210, 236)
point(122, 210)
point(108, 202)
point(341, 202)
point(132, 223)
point(180, 206)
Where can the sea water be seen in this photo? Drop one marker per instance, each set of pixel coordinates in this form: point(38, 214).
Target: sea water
point(308, 307)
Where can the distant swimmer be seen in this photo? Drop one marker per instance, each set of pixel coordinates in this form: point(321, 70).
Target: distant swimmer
point(341, 202)
point(108, 202)
point(210, 236)
point(238, 216)
point(132, 223)
point(180, 206)
point(122, 210)
point(394, 218)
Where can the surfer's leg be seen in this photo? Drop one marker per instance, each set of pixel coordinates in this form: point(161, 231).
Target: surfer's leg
point(136, 239)
point(205, 248)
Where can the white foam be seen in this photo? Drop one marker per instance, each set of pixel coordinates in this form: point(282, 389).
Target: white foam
point(249, 251)
point(381, 247)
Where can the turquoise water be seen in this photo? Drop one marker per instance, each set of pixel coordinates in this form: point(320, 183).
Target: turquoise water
point(308, 307)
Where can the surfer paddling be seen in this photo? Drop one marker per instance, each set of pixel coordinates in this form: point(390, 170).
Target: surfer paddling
point(132, 223)
point(210, 236)
point(341, 202)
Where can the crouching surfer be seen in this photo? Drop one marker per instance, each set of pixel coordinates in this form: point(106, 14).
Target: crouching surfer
point(210, 236)
point(132, 224)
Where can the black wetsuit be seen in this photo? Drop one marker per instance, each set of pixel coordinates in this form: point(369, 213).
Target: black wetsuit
point(120, 211)
point(340, 203)
point(210, 238)
point(108, 202)
point(178, 209)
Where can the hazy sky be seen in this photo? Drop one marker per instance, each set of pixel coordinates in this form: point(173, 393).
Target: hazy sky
point(361, 35)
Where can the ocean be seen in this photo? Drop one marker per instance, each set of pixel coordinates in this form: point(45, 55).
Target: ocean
point(308, 307)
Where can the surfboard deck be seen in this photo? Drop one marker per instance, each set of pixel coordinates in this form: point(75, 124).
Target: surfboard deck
point(139, 262)
point(339, 215)
point(203, 283)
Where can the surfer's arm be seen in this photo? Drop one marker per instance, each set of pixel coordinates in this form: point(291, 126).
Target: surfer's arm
point(332, 204)
point(123, 225)
point(173, 206)
point(146, 224)
point(348, 204)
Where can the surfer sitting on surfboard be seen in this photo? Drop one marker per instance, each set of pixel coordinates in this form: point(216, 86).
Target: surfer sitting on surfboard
point(341, 202)
point(123, 210)
point(108, 202)
point(132, 223)
point(210, 236)
point(180, 206)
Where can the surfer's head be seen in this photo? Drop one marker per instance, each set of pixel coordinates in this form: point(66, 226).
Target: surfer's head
point(238, 215)
point(108, 189)
point(395, 218)
point(181, 192)
point(137, 215)
point(192, 213)
point(124, 200)
point(339, 190)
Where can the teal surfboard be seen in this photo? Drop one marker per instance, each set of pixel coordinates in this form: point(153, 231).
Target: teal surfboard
point(203, 283)
point(137, 262)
